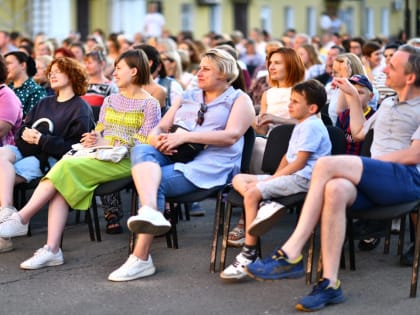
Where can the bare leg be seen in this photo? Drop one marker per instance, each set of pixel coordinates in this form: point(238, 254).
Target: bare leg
point(43, 193)
point(241, 183)
point(8, 177)
point(143, 244)
point(326, 168)
point(57, 218)
point(252, 197)
point(339, 194)
point(147, 177)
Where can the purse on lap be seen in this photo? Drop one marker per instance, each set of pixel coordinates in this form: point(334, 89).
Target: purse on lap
point(102, 153)
point(186, 152)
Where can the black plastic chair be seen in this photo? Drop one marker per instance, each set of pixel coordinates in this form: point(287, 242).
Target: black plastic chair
point(200, 195)
point(276, 147)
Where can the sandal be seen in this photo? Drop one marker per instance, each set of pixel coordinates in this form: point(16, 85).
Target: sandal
point(236, 237)
point(113, 225)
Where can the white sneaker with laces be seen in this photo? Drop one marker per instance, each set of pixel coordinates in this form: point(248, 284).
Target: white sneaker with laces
point(13, 226)
point(267, 215)
point(6, 245)
point(133, 268)
point(6, 212)
point(236, 270)
point(148, 221)
point(43, 257)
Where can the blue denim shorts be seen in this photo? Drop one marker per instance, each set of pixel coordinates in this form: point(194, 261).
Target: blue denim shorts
point(28, 167)
point(386, 183)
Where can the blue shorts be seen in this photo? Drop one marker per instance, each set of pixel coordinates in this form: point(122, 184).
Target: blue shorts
point(386, 183)
point(27, 167)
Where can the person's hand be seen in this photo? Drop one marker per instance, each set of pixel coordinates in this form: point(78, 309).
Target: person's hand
point(264, 119)
point(344, 85)
point(31, 135)
point(91, 139)
point(168, 142)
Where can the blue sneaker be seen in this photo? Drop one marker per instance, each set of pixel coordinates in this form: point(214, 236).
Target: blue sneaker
point(321, 296)
point(275, 267)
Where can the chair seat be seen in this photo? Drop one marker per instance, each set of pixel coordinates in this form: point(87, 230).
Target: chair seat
point(196, 196)
point(113, 186)
point(236, 199)
point(384, 212)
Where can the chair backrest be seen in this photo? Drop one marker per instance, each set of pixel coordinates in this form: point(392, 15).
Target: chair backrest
point(367, 142)
point(278, 143)
point(338, 140)
point(276, 147)
point(249, 140)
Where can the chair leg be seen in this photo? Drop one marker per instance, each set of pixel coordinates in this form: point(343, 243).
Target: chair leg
point(387, 237)
point(310, 259)
point(218, 219)
point(351, 244)
point(415, 271)
point(133, 209)
point(187, 207)
point(401, 236)
point(226, 226)
point(90, 226)
point(96, 220)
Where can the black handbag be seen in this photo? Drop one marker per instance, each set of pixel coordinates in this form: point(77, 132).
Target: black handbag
point(186, 152)
point(44, 126)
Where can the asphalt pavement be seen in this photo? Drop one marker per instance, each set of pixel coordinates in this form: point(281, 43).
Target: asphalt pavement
point(183, 283)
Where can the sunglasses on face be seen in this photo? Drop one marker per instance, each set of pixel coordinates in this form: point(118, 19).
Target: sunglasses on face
point(200, 113)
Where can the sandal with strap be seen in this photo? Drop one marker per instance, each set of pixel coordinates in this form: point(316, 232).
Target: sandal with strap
point(113, 225)
point(236, 237)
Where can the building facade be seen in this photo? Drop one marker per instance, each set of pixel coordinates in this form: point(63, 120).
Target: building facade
point(359, 17)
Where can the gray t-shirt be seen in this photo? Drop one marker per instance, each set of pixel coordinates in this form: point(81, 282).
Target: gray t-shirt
point(396, 124)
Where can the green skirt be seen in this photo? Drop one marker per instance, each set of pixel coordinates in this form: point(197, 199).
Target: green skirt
point(77, 178)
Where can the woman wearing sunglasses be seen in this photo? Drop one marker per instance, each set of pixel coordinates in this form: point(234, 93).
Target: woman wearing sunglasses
point(217, 116)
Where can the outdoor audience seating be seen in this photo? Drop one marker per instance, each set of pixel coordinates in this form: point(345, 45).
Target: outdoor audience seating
point(276, 147)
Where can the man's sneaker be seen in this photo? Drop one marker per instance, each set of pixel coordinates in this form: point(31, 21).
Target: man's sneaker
point(275, 267)
point(322, 295)
point(6, 212)
point(13, 226)
point(267, 215)
point(197, 210)
point(133, 268)
point(6, 245)
point(236, 270)
point(148, 221)
point(43, 257)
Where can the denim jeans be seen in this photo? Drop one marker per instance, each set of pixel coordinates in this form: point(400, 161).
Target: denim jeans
point(173, 183)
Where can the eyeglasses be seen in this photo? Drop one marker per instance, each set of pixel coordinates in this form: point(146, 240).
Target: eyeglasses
point(53, 73)
point(200, 113)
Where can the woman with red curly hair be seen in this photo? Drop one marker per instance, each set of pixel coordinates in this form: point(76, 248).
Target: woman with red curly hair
point(67, 117)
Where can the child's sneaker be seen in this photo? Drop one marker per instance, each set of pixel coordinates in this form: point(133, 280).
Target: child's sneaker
point(322, 295)
point(267, 215)
point(236, 270)
point(275, 267)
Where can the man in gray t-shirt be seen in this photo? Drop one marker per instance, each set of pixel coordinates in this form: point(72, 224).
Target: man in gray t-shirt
point(390, 177)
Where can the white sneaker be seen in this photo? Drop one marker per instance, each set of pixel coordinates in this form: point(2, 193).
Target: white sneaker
point(133, 268)
point(6, 245)
point(13, 226)
point(148, 221)
point(6, 212)
point(236, 270)
point(43, 257)
point(267, 215)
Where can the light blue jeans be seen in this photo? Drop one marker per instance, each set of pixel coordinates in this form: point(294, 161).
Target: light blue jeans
point(173, 182)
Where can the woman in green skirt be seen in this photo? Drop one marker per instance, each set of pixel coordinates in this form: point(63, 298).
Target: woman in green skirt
point(125, 120)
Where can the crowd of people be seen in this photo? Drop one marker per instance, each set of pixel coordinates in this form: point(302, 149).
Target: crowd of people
point(158, 91)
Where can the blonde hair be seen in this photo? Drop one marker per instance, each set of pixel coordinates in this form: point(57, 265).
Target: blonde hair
point(353, 61)
point(225, 63)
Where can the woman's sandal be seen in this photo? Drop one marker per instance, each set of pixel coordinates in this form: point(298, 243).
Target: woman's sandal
point(113, 225)
point(236, 237)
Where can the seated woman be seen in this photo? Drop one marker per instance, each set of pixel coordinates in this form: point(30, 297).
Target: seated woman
point(70, 117)
point(125, 119)
point(21, 68)
point(218, 116)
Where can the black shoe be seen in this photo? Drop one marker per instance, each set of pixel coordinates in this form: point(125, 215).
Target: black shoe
point(408, 257)
point(364, 229)
point(369, 244)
